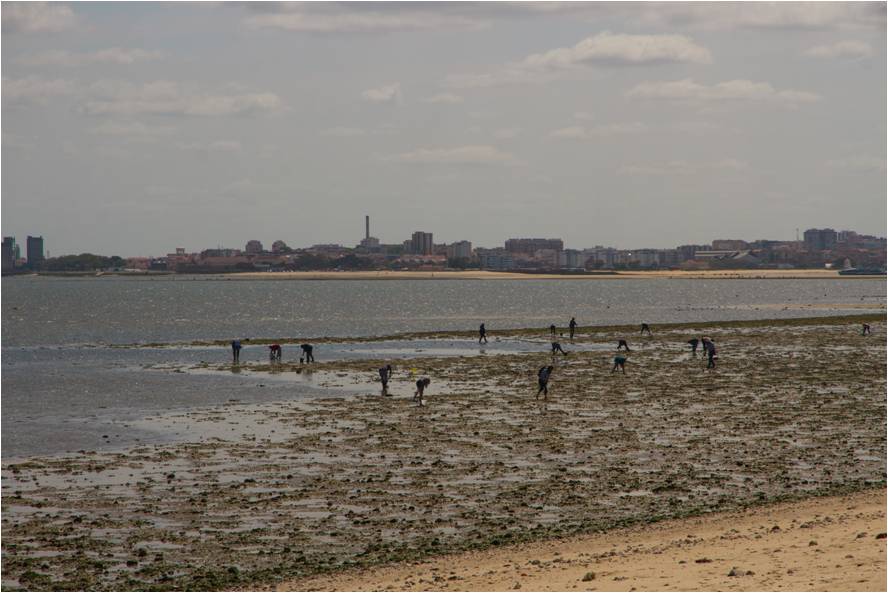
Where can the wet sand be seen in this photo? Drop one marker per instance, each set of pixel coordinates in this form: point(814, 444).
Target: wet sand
point(822, 544)
point(490, 275)
point(262, 493)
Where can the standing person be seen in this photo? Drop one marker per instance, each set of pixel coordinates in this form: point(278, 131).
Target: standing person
point(866, 329)
point(622, 344)
point(543, 379)
point(307, 350)
point(572, 326)
point(619, 362)
point(482, 334)
point(420, 389)
point(274, 352)
point(385, 373)
point(694, 342)
point(235, 351)
point(646, 328)
point(711, 353)
point(552, 329)
point(556, 347)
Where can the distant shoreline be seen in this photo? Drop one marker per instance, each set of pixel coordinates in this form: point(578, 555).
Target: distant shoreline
point(490, 275)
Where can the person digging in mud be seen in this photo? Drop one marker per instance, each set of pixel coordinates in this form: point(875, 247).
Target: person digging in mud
point(307, 353)
point(543, 376)
point(619, 363)
point(482, 334)
point(274, 353)
point(694, 342)
point(385, 373)
point(711, 354)
point(866, 330)
point(572, 326)
point(646, 328)
point(556, 347)
point(623, 344)
point(235, 351)
point(420, 389)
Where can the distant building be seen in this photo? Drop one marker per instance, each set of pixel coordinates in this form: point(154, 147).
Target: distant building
point(531, 246)
point(572, 258)
point(8, 254)
point(820, 239)
point(495, 259)
point(368, 243)
point(686, 252)
point(421, 243)
point(253, 247)
point(35, 252)
point(460, 250)
point(729, 245)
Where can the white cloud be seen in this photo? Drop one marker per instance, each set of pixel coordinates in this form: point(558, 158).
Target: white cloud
point(761, 15)
point(584, 133)
point(343, 132)
point(390, 93)
point(132, 129)
point(683, 168)
point(732, 90)
point(217, 146)
point(34, 89)
point(37, 17)
point(170, 98)
point(858, 162)
point(841, 49)
point(112, 55)
point(461, 155)
point(444, 98)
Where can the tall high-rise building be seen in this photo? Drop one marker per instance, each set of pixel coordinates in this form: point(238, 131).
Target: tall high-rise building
point(530, 246)
point(421, 243)
point(35, 252)
point(820, 239)
point(8, 254)
point(459, 250)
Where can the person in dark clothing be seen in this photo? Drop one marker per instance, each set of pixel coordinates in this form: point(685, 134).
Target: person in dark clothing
point(646, 328)
point(235, 350)
point(307, 352)
point(420, 389)
point(712, 355)
point(694, 342)
point(482, 334)
point(619, 363)
point(572, 326)
point(385, 373)
point(622, 344)
point(552, 329)
point(866, 329)
point(543, 376)
point(556, 347)
point(274, 352)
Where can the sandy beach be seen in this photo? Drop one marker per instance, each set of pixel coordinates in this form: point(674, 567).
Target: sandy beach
point(489, 275)
point(253, 495)
point(822, 544)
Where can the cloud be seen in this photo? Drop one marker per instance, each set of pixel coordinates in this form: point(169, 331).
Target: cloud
point(444, 98)
point(112, 55)
point(603, 50)
point(343, 132)
point(507, 133)
point(217, 146)
point(461, 155)
point(390, 93)
point(325, 18)
point(683, 168)
point(170, 98)
point(841, 49)
point(133, 130)
point(37, 17)
point(732, 90)
point(859, 162)
point(34, 89)
point(584, 133)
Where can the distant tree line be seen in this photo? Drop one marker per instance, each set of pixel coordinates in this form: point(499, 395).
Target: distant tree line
point(85, 262)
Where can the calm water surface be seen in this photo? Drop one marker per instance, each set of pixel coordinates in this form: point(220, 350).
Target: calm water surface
point(65, 390)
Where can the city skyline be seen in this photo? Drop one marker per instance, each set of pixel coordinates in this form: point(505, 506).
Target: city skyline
point(134, 129)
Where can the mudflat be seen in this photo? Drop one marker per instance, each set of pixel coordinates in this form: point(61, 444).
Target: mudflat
point(257, 494)
point(823, 544)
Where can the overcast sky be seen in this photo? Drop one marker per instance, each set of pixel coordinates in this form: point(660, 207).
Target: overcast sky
point(136, 128)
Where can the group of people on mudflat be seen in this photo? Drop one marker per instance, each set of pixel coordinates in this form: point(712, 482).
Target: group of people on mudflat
point(275, 352)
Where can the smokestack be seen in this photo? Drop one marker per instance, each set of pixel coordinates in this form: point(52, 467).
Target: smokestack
point(367, 224)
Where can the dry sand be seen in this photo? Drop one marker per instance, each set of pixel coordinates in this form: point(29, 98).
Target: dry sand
point(488, 275)
point(822, 544)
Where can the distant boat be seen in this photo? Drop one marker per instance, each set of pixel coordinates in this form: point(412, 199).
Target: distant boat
point(862, 272)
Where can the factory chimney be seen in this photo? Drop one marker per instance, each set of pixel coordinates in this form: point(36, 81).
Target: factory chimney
point(367, 225)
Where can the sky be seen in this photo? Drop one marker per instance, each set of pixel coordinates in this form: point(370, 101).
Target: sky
point(135, 128)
